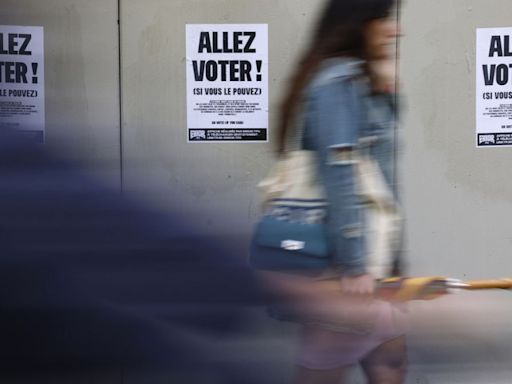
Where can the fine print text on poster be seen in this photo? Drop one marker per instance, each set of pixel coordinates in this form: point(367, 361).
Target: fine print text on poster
point(227, 82)
point(22, 80)
point(494, 87)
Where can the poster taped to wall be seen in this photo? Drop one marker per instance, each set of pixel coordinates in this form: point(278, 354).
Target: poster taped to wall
point(227, 82)
point(22, 80)
point(494, 87)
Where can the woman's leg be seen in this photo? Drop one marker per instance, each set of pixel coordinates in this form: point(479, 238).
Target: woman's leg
point(384, 365)
point(387, 364)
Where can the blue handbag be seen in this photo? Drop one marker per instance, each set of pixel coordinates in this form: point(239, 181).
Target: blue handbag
point(291, 236)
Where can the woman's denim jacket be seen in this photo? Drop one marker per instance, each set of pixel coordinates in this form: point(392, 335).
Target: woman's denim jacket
point(342, 118)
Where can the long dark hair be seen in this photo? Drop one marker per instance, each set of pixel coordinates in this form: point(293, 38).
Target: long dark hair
point(339, 32)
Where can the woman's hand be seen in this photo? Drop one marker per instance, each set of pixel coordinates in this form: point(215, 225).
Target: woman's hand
point(360, 284)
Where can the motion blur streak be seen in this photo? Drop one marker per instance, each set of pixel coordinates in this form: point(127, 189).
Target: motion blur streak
point(92, 280)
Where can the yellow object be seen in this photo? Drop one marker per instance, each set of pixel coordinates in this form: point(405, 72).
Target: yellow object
point(425, 288)
point(490, 284)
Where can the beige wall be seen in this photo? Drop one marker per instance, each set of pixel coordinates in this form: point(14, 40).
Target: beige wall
point(81, 76)
point(216, 182)
point(458, 197)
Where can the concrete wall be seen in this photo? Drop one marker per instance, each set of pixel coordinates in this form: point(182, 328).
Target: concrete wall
point(457, 197)
point(81, 77)
point(213, 182)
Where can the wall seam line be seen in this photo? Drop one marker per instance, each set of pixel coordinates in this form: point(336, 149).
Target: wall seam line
point(120, 88)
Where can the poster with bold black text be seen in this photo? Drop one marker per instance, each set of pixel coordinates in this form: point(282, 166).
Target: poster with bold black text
point(494, 87)
point(22, 80)
point(227, 82)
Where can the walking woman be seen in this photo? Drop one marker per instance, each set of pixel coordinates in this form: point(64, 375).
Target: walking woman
point(341, 93)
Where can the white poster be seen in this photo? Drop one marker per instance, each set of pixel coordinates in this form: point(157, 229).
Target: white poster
point(227, 82)
point(494, 87)
point(22, 79)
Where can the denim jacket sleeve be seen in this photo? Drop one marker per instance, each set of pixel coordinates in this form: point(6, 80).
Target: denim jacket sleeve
point(334, 113)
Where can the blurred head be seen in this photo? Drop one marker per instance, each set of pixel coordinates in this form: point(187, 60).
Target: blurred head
point(359, 28)
point(379, 38)
point(363, 29)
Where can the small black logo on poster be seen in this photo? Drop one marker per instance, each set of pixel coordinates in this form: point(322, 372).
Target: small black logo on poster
point(486, 139)
point(197, 134)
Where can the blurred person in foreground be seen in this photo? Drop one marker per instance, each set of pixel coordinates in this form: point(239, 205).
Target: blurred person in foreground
point(93, 280)
point(342, 93)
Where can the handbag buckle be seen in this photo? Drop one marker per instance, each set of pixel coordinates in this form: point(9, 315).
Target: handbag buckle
point(293, 245)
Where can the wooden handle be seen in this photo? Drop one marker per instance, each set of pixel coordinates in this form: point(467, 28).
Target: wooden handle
point(489, 284)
